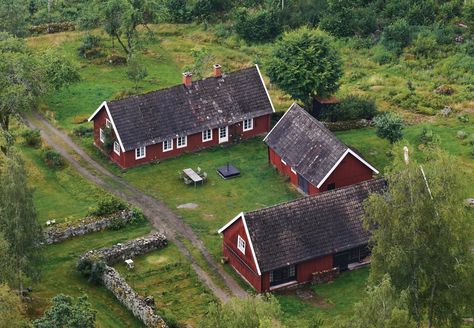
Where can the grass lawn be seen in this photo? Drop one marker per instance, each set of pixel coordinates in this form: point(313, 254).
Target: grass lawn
point(167, 276)
point(60, 276)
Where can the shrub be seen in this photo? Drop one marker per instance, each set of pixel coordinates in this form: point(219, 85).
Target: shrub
point(83, 131)
point(88, 48)
point(108, 205)
point(351, 108)
point(53, 159)
point(425, 45)
point(463, 118)
point(396, 36)
point(177, 11)
point(257, 26)
point(116, 60)
point(428, 137)
point(92, 267)
point(32, 138)
point(389, 126)
point(461, 134)
point(382, 55)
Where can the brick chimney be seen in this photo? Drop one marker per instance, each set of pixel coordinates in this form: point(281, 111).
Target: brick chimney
point(217, 70)
point(187, 79)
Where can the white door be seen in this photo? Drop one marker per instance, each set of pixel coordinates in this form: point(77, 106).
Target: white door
point(223, 134)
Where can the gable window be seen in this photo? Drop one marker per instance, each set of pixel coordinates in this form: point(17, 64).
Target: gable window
point(248, 124)
point(207, 135)
point(107, 123)
point(140, 153)
point(167, 144)
point(101, 135)
point(116, 148)
point(241, 244)
point(181, 142)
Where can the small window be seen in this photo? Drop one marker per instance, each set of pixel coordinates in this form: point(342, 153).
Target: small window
point(116, 148)
point(107, 123)
point(241, 244)
point(101, 135)
point(331, 186)
point(248, 124)
point(283, 162)
point(167, 144)
point(140, 153)
point(207, 135)
point(181, 142)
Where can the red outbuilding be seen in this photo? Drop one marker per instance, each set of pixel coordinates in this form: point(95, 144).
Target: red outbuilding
point(314, 159)
point(217, 110)
point(292, 242)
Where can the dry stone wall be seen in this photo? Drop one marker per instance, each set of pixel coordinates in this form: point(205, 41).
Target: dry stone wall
point(62, 232)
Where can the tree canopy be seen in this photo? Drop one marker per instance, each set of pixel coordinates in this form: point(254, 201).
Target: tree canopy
point(12, 311)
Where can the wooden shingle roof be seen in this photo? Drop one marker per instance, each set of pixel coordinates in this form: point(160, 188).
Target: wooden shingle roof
point(310, 227)
point(307, 145)
point(212, 102)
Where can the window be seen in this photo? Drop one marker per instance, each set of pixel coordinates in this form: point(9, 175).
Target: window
point(283, 275)
point(181, 142)
point(116, 148)
point(101, 135)
point(207, 135)
point(283, 162)
point(248, 124)
point(107, 123)
point(241, 244)
point(331, 186)
point(167, 144)
point(140, 153)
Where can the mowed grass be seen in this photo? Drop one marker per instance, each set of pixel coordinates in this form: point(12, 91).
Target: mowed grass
point(167, 276)
point(59, 275)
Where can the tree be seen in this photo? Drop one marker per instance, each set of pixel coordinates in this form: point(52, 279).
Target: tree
point(422, 239)
point(12, 311)
point(202, 59)
point(258, 26)
point(18, 221)
point(68, 312)
point(389, 126)
point(13, 16)
point(305, 65)
point(136, 71)
point(258, 312)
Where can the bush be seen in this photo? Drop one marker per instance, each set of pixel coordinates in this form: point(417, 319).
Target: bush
point(425, 45)
point(32, 138)
point(396, 36)
point(461, 134)
point(389, 126)
point(177, 11)
point(382, 55)
point(257, 26)
point(83, 131)
point(351, 108)
point(53, 159)
point(116, 60)
point(92, 267)
point(428, 137)
point(88, 48)
point(463, 118)
point(108, 205)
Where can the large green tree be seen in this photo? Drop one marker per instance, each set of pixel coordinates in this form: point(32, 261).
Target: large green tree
point(422, 238)
point(18, 221)
point(13, 16)
point(305, 65)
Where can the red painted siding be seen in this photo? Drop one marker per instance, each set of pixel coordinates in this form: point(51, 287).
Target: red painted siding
point(155, 152)
point(304, 270)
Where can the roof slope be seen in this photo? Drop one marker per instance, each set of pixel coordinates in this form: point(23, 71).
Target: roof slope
point(209, 103)
point(310, 227)
point(306, 144)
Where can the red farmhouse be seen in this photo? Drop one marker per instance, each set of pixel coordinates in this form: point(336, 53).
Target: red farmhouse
point(161, 124)
point(302, 148)
point(286, 244)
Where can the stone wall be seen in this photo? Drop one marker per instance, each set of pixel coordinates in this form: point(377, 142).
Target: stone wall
point(62, 232)
point(130, 299)
point(325, 276)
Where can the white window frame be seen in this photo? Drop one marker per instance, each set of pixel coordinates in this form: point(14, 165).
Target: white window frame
point(141, 155)
point(108, 124)
point(241, 244)
point(226, 138)
point(247, 124)
point(183, 144)
point(116, 147)
point(169, 147)
point(101, 135)
point(204, 135)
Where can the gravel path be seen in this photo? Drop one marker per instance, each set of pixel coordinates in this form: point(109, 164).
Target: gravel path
point(160, 216)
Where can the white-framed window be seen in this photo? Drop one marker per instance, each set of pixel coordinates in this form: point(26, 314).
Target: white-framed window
point(293, 171)
point(248, 124)
point(181, 142)
point(241, 244)
point(116, 148)
point(101, 135)
point(207, 135)
point(140, 153)
point(223, 134)
point(107, 123)
point(283, 162)
point(167, 144)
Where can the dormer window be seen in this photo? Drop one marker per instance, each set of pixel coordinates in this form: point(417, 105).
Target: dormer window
point(241, 244)
point(167, 144)
point(248, 124)
point(207, 135)
point(107, 123)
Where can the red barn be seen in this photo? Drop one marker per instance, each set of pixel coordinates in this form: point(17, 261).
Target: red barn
point(286, 244)
point(314, 159)
point(161, 124)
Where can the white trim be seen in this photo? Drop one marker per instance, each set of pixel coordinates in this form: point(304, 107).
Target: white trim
point(101, 135)
point(241, 240)
point(283, 162)
point(293, 171)
point(163, 145)
point(289, 108)
point(104, 104)
point(115, 150)
point(348, 151)
point(226, 139)
point(289, 283)
point(265, 87)
point(251, 124)
point(207, 140)
point(144, 152)
point(185, 142)
point(242, 216)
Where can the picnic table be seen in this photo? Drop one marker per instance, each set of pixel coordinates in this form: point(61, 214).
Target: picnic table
point(193, 176)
